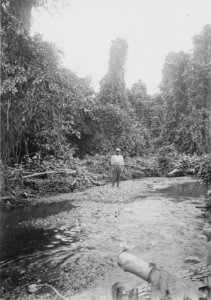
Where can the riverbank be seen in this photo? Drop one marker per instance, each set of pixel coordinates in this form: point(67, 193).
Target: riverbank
point(155, 217)
point(25, 183)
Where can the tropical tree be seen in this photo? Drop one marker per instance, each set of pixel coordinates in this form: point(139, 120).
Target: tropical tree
point(138, 97)
point(40, 100)
point(174, 92)
point(112, 86)
point(199, 79)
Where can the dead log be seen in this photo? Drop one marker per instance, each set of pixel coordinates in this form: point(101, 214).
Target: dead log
point(162, 282)
point(137, 266)
point(25, 173)
point(176, 173)
point(95, 182)
point(69, 172)
point(5, 199)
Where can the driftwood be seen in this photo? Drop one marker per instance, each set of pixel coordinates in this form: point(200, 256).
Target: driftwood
point(178, 172)
point(95, 182)
point(175, 173)
point(33, 288)
point(69, 172)
point(6, 198)
point(135, 265)
point(95, 179)
point(162, 282)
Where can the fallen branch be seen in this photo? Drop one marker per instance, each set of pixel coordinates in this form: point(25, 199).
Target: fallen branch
point(95, 182)
point(176, 172)
point(74, 181)
point(33, 288)
point(6, 198)
point(69, 172)
point(180, 172)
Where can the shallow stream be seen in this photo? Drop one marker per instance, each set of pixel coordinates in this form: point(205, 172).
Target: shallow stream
point(155, 218)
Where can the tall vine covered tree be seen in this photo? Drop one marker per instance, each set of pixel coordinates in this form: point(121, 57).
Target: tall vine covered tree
point(186, 89)
point(199, 79)
point(174, 92)
point(112, 86)
point(138, 97)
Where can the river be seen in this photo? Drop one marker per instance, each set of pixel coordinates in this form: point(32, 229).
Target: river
point(73, 241)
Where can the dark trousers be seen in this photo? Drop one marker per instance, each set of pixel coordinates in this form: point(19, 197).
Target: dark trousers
point(116, 175)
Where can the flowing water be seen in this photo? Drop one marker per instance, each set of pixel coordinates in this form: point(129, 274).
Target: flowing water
point(16, 239)
point(154, 218)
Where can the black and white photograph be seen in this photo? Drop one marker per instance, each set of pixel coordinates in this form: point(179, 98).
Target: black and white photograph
point(105, 167)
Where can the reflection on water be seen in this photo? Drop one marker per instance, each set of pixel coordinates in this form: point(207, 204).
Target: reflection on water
point(15, 215)
point(41, 245)
point(18, 240)
point(188, 189)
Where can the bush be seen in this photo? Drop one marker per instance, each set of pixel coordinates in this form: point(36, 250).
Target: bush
point(166, 158)
point(203, 170)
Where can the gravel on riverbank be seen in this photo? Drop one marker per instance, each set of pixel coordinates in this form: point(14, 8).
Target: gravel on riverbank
point(163, 228)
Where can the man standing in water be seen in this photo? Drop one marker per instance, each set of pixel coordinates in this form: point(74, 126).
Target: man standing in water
point(117, 163)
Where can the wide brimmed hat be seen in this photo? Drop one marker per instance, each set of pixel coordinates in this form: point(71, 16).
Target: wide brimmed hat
point(118, 149)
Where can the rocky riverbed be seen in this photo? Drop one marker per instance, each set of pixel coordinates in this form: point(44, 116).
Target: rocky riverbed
point(72, 241)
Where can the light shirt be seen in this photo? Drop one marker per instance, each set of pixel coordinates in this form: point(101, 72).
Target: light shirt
point(117, 160)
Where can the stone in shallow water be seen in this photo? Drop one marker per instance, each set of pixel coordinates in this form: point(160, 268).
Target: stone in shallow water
point(49, 246)
point(32, 288)
point(192, 259)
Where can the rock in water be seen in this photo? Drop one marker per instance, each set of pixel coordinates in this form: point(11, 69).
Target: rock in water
point(32, 288)
point(192, 259)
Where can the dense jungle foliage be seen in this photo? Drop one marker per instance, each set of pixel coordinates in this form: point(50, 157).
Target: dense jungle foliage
point(47, 108)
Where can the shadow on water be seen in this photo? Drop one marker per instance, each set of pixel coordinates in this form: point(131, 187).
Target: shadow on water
point(30, 244)
point(184, 190)
point(16, 215)
point(19, 241)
